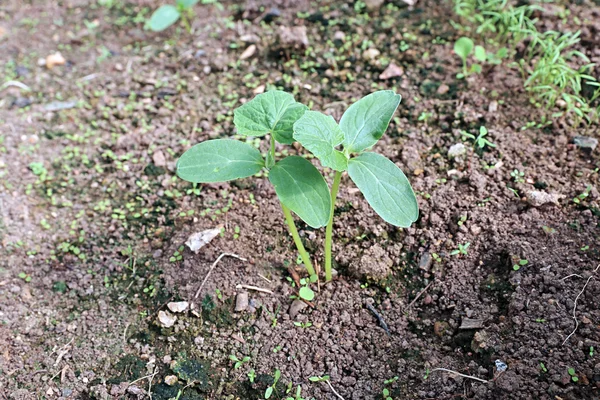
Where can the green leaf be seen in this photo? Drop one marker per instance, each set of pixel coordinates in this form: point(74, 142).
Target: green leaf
point(268, 392)
point(302, 189)
point(385, 187)
point(272, 112)
point(463, 47)
point(306, 293)
point(365, 121)
point(320, 134)
point(185, 4)
point(163, 17)
point(480, 54)
point(219, 160)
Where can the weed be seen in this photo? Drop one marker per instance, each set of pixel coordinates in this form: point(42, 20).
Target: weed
point(463, 48)
point(251, 375)
point(271, 389)
point(303, 324)
point(238, 362)
point(580, 197)
point(520, 263)
point(167, 14)
point(517, 175)
point(462, 249)
point(298, 184)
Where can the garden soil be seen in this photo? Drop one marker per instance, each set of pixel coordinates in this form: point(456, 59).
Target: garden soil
point(93, 220)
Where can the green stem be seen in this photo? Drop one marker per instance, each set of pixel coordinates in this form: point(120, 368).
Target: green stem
point(289, 219)
point(329, 229)
point(271, 154)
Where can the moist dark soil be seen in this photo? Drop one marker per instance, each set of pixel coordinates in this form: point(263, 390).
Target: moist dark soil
point(93, 219)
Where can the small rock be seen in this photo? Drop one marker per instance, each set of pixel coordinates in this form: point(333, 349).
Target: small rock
point(135, 390)
point(178, 306)
point(425, 261)
point(294, 36)
point(585, 142)
point(249, 52)
point(467, 323)
point(480, 341)
point(443, 89)
point(198, 340)
point(493, 107)
point(271, 14)
point(371, 54)
point(159, 159)
point(259, 89)
point(427, 300)
point(199, 239)
point(241, 302)
point(249, 38)
point(55, 59)
point(21, 102)
point(391, 71)
point(170, 380)
point(339, 35)
point(373, 5)
point(59, 105)
point(538, 198)
point(296, 307)
point(166, 319)
point(411, 158)
point(440, 327)
point(457, 150)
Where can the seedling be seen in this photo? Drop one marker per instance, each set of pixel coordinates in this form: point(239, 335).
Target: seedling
point(297, 395)
point(167, 14)
point(238, 362)
point(574, 376)
point(591, 351)
point(303, 325)
point(385, 393)
point(580, 197)
point(25, 277)
point(271, 389)
point(298, 184)
point(462, 249)
point(543, 367)
point(517, 175)
point(519, 264)
point(251, 375)
point(463, 48)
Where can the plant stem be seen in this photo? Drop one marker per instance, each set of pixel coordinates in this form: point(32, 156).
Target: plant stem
point(271, 154)
point(329, 229)
point(289, 219)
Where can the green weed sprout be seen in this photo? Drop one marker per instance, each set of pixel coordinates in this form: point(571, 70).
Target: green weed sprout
point(167, 14)
point(299, 185)
point(463, 47)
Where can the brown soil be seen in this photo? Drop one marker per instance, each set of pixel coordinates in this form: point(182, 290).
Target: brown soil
point(90, 237)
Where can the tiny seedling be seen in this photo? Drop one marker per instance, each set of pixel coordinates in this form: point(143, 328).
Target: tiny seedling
point(251, 375)
point(271, 389)
point(303, 325)
point(167, 14)
point(298, 184)
point(574, 376)
point(462, 249)
point(385, 393)
point(25, 277)
point(463, 48)
point(517, 176)
point(591, 351)
point(519, 264)
point(323, 378)
point(543, 367)
point(238, 362)
point(297, 394)
point(580, 197)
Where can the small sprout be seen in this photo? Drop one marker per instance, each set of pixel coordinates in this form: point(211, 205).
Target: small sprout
point(574, 377)
point(306, 293)
point(323, 378)
point(591, 351)
point(24, 276)
point(462, 249)
point(251, 375)
point(548, 230)
point(238, 362)
point(167, 14)
point(463, 48)
point(519, 264)
point(517, 176)
point(543, 367)
point(271, 389)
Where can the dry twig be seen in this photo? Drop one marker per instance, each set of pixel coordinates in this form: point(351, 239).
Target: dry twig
point(575, 305)
point(212, 267)
point(459, 374)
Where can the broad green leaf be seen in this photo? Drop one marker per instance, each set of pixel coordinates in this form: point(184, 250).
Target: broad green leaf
point(185, 4)
point(365, 121)
point(480, 54)
point(385, 187)
point(463, 47)
point(306, 293)
point(272, 112)
point(163, 17)
point(320, 134)
point(219, 160)
point(302, 189)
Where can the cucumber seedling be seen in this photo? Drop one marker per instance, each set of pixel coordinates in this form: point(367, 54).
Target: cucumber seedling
point(299, 185)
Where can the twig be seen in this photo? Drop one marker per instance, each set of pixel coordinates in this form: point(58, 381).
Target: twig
point(61, 353)
point(249, 287)
point(459, 374)
point(575, 305)
point(17, 84)
point(339, 396)
point(379, 319)
point(570, 276)
point(265, 278)
point(419, 295)
point(213, 267)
